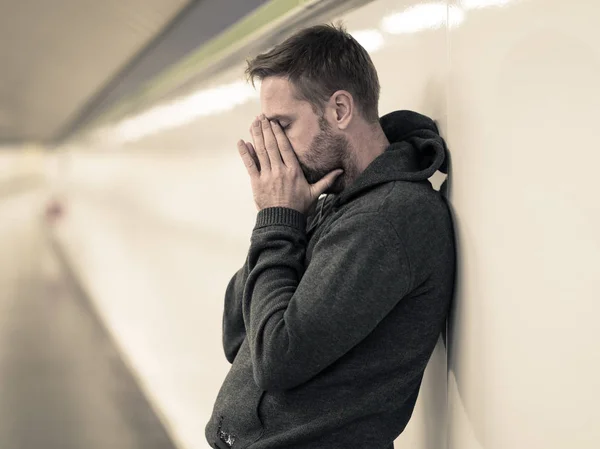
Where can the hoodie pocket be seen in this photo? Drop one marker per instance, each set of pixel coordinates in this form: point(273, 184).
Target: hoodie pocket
point(235, 422)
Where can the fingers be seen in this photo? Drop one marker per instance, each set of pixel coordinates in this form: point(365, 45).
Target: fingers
point(249, 161)
point(253, 154)
point(285, 147)
point(324, 183)
point(270, 142)
point(259, 145)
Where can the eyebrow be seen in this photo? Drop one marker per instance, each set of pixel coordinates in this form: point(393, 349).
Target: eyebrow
point(278, 117)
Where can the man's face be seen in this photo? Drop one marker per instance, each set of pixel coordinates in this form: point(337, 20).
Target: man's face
point(318, 148)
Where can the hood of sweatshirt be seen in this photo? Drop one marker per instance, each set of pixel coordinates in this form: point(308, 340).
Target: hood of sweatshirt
point(415, 153)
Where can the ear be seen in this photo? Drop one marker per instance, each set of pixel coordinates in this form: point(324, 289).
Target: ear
point(342, 108)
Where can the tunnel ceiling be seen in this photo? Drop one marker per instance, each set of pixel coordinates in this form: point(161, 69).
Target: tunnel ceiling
point(56, 56)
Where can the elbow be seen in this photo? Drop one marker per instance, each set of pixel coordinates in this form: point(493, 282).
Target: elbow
point(276, 365)
point(271, 383)
point(270, 378)
point(231, 347)
point(230, 356)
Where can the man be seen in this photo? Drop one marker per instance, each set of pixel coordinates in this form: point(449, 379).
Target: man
point(331, 321)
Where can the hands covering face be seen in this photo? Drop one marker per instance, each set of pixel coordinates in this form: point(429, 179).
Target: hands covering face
point(275, 174)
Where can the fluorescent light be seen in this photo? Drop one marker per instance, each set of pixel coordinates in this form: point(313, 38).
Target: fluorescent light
point(371, 40)
point(456, 16)
point(421, 17)
point(185, 110)
point(475, 4)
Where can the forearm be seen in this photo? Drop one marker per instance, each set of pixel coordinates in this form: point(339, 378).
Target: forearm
point(300, 320)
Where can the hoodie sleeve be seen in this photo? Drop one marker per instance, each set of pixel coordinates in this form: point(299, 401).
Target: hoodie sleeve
point(234, 330)
point(299, 322)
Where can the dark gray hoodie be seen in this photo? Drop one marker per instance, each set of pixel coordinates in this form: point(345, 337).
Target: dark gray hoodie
point(330, 323)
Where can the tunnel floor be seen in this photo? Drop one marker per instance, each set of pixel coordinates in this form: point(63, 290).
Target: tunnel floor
point(63, 384)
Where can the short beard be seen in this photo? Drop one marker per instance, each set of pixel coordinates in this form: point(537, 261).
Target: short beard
point(327, 152)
